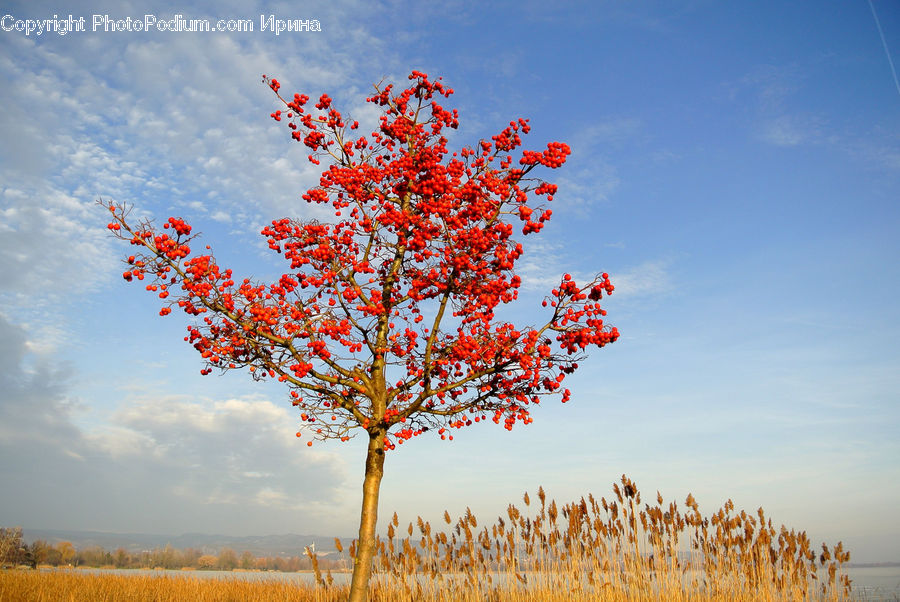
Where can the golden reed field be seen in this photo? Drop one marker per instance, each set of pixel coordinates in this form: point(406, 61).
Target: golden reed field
point(621, 549)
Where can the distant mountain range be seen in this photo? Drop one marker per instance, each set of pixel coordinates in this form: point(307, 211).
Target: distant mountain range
point(258, 545)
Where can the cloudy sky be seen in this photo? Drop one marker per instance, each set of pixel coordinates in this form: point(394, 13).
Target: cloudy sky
point(735, 169)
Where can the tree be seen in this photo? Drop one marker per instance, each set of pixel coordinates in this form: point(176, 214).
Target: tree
point(39, 552)
point(94, 556)
point(190, 556)
point(228, 560)
point(121, 558)
point(248, 561)
point(66, 552)
point(207, 562)
point(167, 557)
point(54, 558)
point(10, 545)
point(386, 321)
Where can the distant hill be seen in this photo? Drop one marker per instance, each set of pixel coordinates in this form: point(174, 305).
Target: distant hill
point(258, 545)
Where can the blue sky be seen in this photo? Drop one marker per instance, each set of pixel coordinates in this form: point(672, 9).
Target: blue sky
point(735, 169)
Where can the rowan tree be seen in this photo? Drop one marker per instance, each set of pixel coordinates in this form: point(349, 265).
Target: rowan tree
point(385, 322)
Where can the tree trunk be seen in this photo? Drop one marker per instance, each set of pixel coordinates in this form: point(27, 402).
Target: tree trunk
point(362, 568)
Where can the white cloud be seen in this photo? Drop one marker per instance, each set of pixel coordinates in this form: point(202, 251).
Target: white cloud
point(606, 132)
point(646, 279)
point(586, 186)
point(171, 124)
point(790, 130)
point(782, 132)
point(590, 177)
point(542, 266)
point(185, 464)
point(121, 442)
point(49, 249)
point(539, 266)
point(271, 497)
point(779, 119)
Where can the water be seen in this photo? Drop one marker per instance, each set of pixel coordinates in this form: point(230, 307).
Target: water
point(869, 583)
point(306, 577)
point(875, 583)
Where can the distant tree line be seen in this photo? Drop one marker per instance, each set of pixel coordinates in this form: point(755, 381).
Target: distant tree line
point(14, 551)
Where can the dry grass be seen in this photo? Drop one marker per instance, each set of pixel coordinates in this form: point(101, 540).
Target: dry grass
point(616, 550)
point(77, 586)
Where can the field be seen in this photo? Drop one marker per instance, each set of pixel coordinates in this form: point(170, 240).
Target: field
point(619, 549)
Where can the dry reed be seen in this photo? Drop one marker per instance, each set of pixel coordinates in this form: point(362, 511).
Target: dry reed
point(611, 550)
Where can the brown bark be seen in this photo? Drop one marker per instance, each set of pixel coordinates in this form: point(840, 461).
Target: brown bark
point(362, 568)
